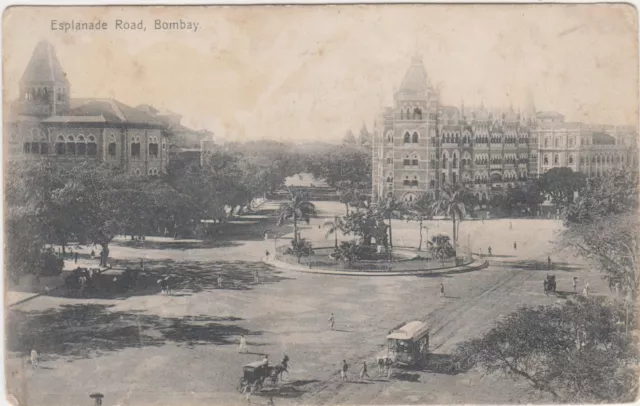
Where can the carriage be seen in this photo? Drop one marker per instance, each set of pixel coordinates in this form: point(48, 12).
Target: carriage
point(550, 284)
point(254, 375)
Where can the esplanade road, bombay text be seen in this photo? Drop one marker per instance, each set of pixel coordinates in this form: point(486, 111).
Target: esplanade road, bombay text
point(124, 25)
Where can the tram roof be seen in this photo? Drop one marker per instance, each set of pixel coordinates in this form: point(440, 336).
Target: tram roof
point(410, 330)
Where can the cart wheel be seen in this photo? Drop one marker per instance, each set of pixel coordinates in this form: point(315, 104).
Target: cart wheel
point(240, 386)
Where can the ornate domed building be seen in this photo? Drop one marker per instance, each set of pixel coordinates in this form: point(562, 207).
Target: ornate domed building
point(420, 144)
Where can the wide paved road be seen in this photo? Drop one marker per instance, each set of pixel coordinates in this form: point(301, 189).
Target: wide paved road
point(153, 349)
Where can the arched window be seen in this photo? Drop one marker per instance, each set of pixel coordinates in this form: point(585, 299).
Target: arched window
point(406, 181)
point(112, 145)
point(414, 182)
point(406, 161)
point(432, 184)
point(545, 159)
point(417, 114)
point(71, 145)
point(414, 160)
point(444, 161)
point(401, 114)
point(389, 161)
point(556, 159)
point(455, 161)
point(414, 139)
point(153, 172)
point(81, 145)
point(390, 194)
point(454, 178)
point(570, 159)
point(153, 146)
point(135, 146)
point(137, 172)
point(60, 145)
point(556, 142)
point(546, 142)
point(444, 178)
point(92, 147)
point(407, 138)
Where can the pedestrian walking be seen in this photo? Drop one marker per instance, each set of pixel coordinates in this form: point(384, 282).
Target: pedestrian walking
point(219, 281)
point(141, 264)
point(549, 262)
point(575, 284)
point(510, 226)
point(364, 372)
point(585, 291)
point(515, 246)
point(389, 368)
point(242, 346)
point(75, 257)
point(256, 279)
point(489, 250)
point(266, 254)
point(331, 321)
point(343, 371)
point(266, 235)
point(93, 255)
point(271, 403)
point(441, 289)
point(34, 359)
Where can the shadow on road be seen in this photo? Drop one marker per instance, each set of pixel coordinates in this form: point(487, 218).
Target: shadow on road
point(185, 278)
point(288, 390)
point(87, 330)
point(445, 364)
point(533, 265)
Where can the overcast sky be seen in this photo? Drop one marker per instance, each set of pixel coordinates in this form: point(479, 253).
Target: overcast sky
point(313, 72)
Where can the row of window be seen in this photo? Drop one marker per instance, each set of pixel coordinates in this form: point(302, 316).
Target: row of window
point(594, 159)
point(152, 172)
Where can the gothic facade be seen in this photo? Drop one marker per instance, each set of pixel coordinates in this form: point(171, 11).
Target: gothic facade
point(419, 144)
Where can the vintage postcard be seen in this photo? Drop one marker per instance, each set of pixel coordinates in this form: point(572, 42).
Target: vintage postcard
point(321, 204)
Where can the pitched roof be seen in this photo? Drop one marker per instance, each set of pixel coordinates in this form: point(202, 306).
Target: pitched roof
point(415, 80)
point(44, 66)
point(113, 111)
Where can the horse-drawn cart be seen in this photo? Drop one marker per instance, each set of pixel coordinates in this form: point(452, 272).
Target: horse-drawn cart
point(550, 284)
point(256, 374)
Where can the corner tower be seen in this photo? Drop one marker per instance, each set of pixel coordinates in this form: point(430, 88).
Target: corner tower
point(44, 88)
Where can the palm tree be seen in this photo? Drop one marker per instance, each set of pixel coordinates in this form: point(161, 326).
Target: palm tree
point(298, 208)
point(421, 209)
point(452, 201)
point(390, 208)
point(333, 227)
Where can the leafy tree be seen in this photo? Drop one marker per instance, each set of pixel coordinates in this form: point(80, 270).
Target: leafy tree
point(367, 224)
point(611, 244)
point(576, 352)
point(390, 208)
point(298, 208)
point(420, 210)
point(333, 227)
point(300, 248)
point(453, 201)
point(352, 193)
point(441, 248)
point(561, 184)
point(346, 252)
point(615, 193)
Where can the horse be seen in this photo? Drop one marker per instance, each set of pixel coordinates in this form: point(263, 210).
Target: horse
point(277, 372)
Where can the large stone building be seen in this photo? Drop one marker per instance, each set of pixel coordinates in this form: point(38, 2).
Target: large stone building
point(419, 144)
point(46, 123)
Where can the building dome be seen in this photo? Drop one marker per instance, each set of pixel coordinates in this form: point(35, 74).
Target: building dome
point(44, 66)
point(415, 82)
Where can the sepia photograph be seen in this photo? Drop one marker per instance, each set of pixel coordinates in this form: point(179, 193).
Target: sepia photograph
point(367, 204)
